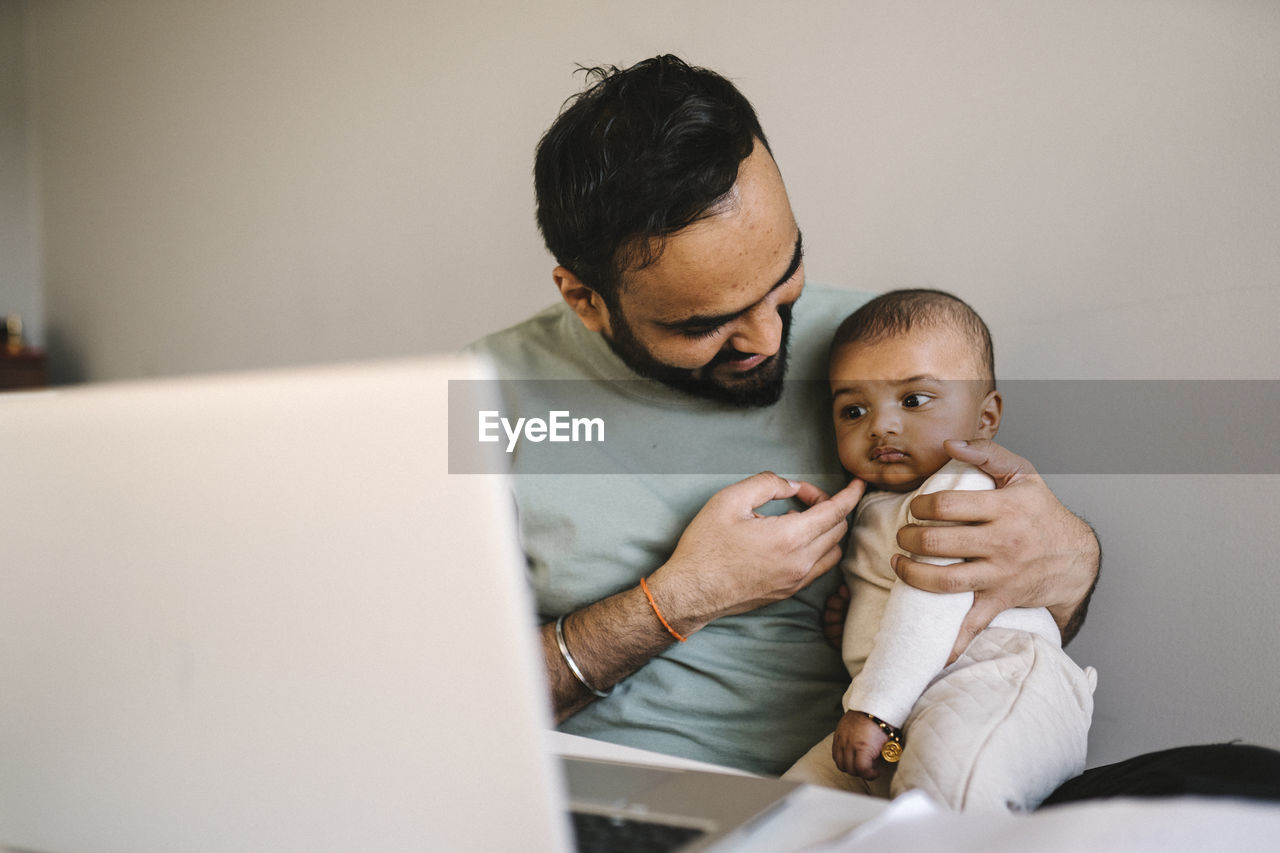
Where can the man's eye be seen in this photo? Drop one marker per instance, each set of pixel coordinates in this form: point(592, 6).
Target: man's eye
point(912, 401)
point(695, 333)
point(852, 413)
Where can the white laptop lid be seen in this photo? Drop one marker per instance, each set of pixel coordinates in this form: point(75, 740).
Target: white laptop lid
point(255, 612)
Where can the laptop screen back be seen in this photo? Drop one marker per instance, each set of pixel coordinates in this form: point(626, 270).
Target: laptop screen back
point(255, 612)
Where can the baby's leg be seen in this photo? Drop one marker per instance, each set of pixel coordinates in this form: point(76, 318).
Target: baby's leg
point(1001, 728)
point(817, 767)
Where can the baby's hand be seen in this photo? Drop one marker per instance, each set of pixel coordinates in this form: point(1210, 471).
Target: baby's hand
point(857, 745)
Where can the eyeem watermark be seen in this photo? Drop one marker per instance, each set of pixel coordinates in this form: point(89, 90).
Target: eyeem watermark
point(559, 426)
point(1129, 427)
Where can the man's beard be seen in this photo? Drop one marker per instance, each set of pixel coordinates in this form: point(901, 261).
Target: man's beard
point(760, 386)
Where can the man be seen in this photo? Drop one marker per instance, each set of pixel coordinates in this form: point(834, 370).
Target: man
point(681, 270)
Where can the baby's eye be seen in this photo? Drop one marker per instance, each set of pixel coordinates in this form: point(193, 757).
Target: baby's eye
point(912, 401)
point(852, 412)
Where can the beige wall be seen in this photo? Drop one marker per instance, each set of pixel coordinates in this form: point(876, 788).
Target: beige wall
point(239, 183)
point(259, 182)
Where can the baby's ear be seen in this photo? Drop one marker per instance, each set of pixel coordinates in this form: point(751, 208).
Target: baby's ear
point(989, 415)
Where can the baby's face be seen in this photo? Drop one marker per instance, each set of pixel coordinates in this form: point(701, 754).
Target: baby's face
point(896, 400)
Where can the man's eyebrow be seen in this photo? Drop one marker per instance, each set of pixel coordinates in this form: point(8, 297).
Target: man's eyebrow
point(710, 321)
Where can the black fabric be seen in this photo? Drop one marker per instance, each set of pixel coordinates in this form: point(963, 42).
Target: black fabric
point(1208, 770)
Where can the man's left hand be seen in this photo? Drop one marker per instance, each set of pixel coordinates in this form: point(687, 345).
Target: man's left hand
point(1023, 547)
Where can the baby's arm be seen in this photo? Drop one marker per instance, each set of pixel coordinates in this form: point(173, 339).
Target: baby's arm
point(915, 638)
point(917, 630)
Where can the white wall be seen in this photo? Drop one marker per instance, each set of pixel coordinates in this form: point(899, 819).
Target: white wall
point(260, 182)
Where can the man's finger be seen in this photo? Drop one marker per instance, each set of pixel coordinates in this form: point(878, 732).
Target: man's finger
point(809, 493)
point(848, 496)
point(830, 537)
point(825, 563)
point(827, 514)
point(1002, 465)
point(757, 490)
point(956, 577)
point(962, 506)
point(975, 621)
point(960, 542)
point(824, 551)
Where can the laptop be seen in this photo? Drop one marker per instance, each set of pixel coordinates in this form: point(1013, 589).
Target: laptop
point(256, 612)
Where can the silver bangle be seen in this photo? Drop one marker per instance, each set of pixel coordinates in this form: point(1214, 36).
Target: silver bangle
point(573, 664)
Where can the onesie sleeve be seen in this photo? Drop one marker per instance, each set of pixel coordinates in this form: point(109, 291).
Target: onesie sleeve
point(918, 628)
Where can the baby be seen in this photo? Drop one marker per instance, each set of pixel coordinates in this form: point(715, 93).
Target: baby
point(1007, 722)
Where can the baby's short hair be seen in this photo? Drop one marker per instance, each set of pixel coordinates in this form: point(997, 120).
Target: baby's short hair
point(898, 311)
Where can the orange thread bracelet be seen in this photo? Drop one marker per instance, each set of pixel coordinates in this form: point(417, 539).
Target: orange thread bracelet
point(665, 624)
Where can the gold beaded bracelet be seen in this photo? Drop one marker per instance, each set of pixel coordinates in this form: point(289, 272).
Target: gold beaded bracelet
point(892, 749)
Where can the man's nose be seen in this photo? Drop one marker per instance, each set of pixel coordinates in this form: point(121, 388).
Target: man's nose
point(760, 332)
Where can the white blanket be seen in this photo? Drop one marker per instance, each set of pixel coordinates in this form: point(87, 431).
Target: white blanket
point(1000, 728)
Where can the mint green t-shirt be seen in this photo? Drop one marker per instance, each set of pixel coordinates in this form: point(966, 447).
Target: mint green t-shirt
point(752, 691)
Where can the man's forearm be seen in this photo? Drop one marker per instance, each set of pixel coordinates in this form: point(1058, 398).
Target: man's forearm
point(608, 640)
point(1070, 616)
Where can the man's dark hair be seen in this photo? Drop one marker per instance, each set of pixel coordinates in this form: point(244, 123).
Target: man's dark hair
point(898, 311)
point(639, 155)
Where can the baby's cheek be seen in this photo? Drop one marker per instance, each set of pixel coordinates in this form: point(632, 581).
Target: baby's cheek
point(849, 459)
point(933, 455)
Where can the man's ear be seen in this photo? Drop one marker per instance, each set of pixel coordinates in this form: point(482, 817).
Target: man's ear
point(989, 415)
point(585, 302)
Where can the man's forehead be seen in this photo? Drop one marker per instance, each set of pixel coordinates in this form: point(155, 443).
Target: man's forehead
point(729, 260)
point(688, 284)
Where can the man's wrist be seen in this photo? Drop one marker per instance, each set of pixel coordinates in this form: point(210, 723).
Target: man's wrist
point(592, 649)
point(683, 617)
point(657, 611)
point(1070, 615)
point(572, 663)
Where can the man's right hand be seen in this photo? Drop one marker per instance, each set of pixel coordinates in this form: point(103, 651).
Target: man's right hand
point(731, 559)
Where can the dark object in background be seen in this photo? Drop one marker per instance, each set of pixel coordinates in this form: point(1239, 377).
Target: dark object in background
point(1207, 770)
